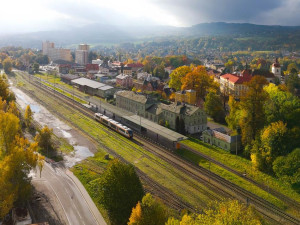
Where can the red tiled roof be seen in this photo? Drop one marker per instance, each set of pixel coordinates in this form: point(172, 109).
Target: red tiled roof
point(276, 65)
point(237, 79)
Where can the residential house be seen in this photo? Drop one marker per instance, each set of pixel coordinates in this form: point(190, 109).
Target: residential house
point(124, 80)
point(220, 138)
point(234, 84)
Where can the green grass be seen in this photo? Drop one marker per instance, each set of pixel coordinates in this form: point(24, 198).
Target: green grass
point(242, 165)
point(66, 93)
point(165, 174)
point(198, 160)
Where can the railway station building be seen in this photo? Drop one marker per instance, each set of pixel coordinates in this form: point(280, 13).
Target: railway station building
point(195, 118)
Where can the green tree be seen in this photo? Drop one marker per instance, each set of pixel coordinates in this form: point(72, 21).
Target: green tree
point(7, 65)
point(177, 75)
point(44, 139)
point(293, 82)
point(36, 67)
point(282, 106)
point(150, 211)
point(252, 109)
point(214, 107)
point(274, 142)
point(233, 118)
point(177, 126)
point(288, 167)
point(181, 126)
point(119, 189)
point(28, 116)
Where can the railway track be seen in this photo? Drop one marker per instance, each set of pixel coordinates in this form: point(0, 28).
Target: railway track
point(199, 173)
point(264, 187)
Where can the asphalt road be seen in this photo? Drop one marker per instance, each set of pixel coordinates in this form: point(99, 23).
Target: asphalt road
point(73, 199)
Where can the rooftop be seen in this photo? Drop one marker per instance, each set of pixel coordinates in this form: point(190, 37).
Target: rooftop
point(133, 96)
point(87, 82)
point(236, 79)
point(182, 109)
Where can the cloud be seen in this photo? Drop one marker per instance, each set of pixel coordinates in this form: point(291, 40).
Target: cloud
point(33, 15)
point(192, 11)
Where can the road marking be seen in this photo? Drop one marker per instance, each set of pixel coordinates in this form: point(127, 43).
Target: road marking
point(59, 200)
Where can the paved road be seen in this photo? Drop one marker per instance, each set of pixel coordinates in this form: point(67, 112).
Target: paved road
point(72, 197)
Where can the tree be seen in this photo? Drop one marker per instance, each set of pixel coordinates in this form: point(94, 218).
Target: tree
point(288, 167)
point(292, 67)
point(223, 213)
point(15, 165)
point(44, 139)
point(177, 126)
point(213, 106)
point(199, 81)
point(293, 82)
point(28, 116)
point(282, 106)
point(10, 128)
point(181, 126)
point(273, 142)
point(119, 189)
point(233, 118)
point(252, 109)
point(150, 211)
point(177, 75)
point(7, 65)
point(36, 67)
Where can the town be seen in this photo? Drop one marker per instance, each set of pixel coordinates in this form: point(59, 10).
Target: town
point(161, 125)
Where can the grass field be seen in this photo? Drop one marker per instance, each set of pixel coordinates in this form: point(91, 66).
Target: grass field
point(185, 187)
point(198, 160)
point(242, 165)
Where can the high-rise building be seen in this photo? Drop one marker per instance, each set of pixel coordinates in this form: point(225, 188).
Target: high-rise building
point(56, 53)
point(46, 46)
point(82, 54)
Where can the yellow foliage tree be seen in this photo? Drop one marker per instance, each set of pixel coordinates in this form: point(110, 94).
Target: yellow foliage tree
point(199, 81)
point(177, 75)
point(15, 165)
point(136, 215)
point(28, 116)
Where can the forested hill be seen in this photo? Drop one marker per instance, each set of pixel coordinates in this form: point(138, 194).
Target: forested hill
point(100, 34)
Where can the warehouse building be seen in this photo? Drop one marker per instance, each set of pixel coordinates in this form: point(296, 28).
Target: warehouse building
point(93, 87)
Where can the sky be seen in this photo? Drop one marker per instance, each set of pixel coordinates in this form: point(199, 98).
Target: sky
point(20, 16)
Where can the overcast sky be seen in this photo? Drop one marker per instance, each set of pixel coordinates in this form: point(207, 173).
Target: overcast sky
point(36, 15)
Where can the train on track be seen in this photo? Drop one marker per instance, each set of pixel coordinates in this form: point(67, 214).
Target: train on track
point(118, 127)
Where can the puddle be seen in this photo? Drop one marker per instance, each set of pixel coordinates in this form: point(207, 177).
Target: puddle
point(80, 153)
point(60, 129)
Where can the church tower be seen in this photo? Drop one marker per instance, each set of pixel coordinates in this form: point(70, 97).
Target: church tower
point(276, 69)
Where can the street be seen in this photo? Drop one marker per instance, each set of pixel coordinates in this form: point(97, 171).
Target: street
point(77, 206)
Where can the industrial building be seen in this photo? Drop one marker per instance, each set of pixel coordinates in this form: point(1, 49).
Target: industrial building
point(94, 88)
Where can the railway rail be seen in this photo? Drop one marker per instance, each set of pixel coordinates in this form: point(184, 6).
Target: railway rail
point(198, 173)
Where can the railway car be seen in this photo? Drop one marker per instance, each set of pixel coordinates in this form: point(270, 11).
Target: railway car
point(118, 127)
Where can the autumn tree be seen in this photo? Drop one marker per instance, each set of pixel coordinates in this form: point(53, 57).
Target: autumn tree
point(273, 142)
point(17, 157)
point(224, 212)
point(5, 93)
point(7, 65)
point(119, 189)
point(150, 211)
point(177, 75)
point(282, 106)
point(288, 167)
point(213, 106)
point(44, 139)
point(233, 118)
point(199, 81)
point(252, 109)
point(28, 116)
